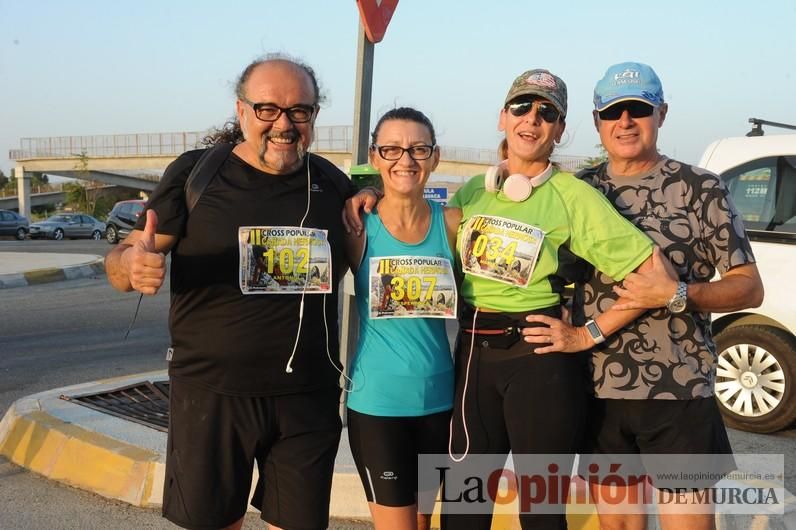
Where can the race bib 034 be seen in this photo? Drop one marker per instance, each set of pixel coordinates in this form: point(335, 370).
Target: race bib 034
point(500, 249)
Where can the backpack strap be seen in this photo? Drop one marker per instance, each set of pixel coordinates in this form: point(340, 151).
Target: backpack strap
point(204, 171)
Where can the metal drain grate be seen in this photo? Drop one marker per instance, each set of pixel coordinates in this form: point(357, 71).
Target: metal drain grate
point(145, 403)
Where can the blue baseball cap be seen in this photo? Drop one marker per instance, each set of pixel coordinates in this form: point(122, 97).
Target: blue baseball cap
point(628, 81)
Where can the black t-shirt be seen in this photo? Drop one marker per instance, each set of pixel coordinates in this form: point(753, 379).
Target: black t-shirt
point(226, 341)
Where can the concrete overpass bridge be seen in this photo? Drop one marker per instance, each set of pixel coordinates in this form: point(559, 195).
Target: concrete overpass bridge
point(36, 199)
point(137, 160)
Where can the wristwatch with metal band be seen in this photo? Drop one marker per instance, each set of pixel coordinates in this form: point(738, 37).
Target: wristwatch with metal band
point(595, 331)
point(679, 300)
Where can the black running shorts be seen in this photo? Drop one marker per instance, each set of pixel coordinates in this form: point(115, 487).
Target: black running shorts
point(385, 450)
point(673, 438)
point(215, 441)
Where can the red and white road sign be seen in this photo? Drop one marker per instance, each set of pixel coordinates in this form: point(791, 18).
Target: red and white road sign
point(375, 15)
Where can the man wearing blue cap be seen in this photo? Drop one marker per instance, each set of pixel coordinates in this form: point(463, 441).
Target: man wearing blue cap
point(654, 379)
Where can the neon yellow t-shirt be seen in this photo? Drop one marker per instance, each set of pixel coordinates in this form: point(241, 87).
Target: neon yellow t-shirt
point(562, 219)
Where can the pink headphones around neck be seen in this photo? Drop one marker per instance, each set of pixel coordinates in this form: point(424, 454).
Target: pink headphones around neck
point(517, 187)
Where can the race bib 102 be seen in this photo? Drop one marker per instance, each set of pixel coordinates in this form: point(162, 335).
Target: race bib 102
point(500, 249)
point(284, 260)
point(411, 287)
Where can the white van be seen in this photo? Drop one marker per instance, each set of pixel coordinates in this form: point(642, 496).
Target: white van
point(756, 377)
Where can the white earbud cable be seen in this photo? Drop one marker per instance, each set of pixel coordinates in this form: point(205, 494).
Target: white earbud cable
point(288, 367)
point(464, 397)
point(329, 354)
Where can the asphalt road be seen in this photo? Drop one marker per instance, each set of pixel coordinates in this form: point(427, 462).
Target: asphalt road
point(59, 334)
point(64, 333)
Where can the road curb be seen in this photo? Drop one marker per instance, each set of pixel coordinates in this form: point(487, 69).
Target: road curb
point(91, 269)
point(78, 457)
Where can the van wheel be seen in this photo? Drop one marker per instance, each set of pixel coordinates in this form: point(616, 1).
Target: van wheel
point(111, 235)
point(756, 378)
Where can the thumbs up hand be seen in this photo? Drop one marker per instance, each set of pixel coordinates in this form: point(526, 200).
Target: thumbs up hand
point(150, 229)
point(146, 268)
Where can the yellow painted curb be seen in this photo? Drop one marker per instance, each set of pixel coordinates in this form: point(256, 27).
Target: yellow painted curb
point(45, 276)
point(81, 458)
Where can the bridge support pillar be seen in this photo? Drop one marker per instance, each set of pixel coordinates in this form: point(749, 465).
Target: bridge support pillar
point(23, 190)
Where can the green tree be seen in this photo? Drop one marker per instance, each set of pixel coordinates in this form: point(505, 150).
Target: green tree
point(79, 196)
point(76, 196)
point(37, 181)
point(9, 184)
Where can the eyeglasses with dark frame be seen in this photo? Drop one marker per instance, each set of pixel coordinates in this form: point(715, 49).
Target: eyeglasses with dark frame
point(636, 109)
point(544, 109)
point(270, 112)
point(395, 152)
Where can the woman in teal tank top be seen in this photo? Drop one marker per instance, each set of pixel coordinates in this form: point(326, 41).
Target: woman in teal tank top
point(402, 373)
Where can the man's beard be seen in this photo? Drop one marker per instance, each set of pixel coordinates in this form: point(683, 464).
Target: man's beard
point(280, 164)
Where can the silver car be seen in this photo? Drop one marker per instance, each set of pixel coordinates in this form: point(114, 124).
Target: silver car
point(68, 225)
point(13, 224)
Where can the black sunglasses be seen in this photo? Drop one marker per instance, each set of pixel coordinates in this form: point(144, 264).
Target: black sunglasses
point(544, 109)
point(271, 112)
point(636, 109)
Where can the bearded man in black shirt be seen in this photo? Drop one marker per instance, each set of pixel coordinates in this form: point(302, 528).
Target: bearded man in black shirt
point(254, 376)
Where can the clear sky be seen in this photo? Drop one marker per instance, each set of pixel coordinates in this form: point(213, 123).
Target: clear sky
point(90, 67)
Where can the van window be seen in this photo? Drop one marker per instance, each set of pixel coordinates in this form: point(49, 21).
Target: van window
point(764, 191)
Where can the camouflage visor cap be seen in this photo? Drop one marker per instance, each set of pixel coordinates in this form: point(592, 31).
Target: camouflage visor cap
point(540, 83)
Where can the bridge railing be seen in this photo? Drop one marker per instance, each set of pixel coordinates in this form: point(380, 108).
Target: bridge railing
point(335, 138)
point(108, 145)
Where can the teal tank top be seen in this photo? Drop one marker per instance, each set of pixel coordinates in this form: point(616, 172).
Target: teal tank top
point(403, 366)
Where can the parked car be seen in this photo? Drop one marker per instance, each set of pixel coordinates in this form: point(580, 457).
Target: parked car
point(122, 219)
point(13, 224)
point(68, 225)
point(756, 377)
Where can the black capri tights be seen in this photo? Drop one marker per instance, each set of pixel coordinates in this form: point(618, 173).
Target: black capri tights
point(515, 401)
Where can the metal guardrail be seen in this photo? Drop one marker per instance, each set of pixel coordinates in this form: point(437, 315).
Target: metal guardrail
point(336, 138)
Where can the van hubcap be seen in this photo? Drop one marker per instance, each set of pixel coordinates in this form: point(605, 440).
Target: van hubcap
point(749, 380)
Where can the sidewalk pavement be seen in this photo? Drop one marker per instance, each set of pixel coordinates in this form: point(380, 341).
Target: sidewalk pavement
point(123, 460)
point(18, 269)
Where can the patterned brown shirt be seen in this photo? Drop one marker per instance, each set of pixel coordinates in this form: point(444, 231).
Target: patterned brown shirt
point(689, 213)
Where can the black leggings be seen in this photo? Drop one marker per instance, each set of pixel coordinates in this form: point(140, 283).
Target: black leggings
point(516, 401)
